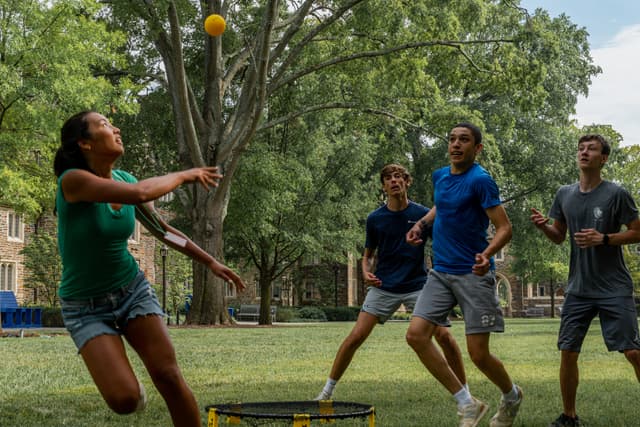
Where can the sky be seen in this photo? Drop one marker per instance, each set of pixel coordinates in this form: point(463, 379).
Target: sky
point(614, 37)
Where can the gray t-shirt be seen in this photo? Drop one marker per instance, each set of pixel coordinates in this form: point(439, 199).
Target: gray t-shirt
point(598, 271)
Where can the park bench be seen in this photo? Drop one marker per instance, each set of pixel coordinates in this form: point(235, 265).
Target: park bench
point(251, 312)
point(14, 316)
point(534, 312)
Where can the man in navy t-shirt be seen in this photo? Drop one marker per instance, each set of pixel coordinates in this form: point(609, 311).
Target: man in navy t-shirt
point(398, 277)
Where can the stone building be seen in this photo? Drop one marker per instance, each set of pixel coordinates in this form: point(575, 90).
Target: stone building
point(15, 233)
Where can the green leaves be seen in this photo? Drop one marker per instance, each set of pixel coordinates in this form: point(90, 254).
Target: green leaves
point(56, 58)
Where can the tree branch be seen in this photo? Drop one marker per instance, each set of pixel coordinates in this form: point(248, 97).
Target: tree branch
point(344, 106)
point(457, 44)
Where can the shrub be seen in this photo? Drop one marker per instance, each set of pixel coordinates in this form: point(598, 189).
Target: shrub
point(312, 313)
point(401, 316)
point(52, 317)
point(341, 314)
point(286, 314)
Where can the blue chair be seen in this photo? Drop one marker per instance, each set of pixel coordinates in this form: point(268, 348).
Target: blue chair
point(9, 311)
point(14, 316)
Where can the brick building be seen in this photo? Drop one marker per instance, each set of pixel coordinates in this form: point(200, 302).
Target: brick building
point(15, 233)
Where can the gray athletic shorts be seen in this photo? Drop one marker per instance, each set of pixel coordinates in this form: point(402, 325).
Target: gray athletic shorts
point(475, 294)
point(383, 304)
point(618, 321)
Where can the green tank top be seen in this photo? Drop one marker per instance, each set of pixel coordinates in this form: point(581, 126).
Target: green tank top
point(92, 239)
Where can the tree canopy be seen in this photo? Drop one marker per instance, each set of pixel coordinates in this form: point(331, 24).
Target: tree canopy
point(55, 59)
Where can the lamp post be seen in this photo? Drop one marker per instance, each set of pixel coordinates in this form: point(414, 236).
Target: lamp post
point(164, 251)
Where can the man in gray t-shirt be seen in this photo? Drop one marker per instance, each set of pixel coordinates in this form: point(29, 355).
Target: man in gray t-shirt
point(593, 211)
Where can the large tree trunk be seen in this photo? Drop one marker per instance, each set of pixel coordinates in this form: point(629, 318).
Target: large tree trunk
point(265, 299)
point(208, 306)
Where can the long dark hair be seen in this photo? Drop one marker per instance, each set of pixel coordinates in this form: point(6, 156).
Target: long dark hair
point(69, 155)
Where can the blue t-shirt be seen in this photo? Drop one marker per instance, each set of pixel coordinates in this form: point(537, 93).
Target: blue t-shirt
point(400, 266)
point(460, 227)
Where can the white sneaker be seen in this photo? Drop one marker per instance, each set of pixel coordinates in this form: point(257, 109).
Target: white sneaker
point(471, 414)
point(323, 396)
point(507, 411)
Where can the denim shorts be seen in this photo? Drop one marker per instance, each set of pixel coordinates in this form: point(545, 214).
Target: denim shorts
point(108, 314)
point(475, 294)
point(383, 304)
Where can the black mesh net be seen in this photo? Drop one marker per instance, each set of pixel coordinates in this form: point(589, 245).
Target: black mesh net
point(256, 413)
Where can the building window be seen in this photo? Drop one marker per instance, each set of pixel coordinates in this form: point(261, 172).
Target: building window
point(276, 290)
point(499, 256)
point(15, 227)
point(8, 276)
point(166, 198)
point(229, 290)
point(540, 290)
point(135, 236)
point(309, 291)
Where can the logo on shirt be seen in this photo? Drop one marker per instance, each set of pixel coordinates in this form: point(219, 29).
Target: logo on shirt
point(597, 213)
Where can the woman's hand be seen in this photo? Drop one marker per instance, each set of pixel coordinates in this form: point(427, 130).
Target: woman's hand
point(207, 176)
point(226, 274)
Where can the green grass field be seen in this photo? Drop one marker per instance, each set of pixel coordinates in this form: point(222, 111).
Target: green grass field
point(44, 383)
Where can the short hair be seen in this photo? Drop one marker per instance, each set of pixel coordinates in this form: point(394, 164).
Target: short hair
point(475, 131)
point(606, 148)
point(392, 168)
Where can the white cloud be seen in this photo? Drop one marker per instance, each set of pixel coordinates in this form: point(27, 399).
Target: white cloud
point(614, 95)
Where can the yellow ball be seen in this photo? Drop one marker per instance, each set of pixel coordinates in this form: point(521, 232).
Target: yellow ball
point(214, 25)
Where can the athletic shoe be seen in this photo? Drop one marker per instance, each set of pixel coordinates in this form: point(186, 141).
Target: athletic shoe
point(565, 421)
point(471, 414)
point(507, 411)
point(323, 396)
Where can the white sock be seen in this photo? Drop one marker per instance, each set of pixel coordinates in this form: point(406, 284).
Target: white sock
point(329, 386)
point(512, 396)
point(467, 387)
point(463, 397)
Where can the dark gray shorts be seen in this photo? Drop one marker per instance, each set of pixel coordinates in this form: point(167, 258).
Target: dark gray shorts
point(108, 314)
point(383, 304)
point(475, 294)
point(618, 321)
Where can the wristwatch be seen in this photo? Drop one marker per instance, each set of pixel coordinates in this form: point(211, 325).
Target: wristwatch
point(605, 239)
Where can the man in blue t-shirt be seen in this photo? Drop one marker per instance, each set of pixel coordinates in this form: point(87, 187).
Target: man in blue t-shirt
point(399, 276)
point(466, 199)
point(593, 211)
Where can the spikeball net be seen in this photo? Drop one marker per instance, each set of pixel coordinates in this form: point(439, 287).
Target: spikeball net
point(297, 414)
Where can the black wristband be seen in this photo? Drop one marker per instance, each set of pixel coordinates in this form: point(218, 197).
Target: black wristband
point(605, 239)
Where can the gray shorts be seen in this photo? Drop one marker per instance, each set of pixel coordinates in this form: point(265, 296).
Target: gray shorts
point(108, 314)
point(475, 294)
point(618, 321)
point(383, 304)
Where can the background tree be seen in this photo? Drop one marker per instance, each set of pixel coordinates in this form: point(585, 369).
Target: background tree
point(43, 267)
point(298, 195)
point(424, 65)
point(623, 168)
point(55, 60)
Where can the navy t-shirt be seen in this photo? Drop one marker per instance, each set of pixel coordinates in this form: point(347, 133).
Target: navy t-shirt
point(400, 266)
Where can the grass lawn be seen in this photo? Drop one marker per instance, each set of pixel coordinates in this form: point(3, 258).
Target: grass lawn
point(44, 383)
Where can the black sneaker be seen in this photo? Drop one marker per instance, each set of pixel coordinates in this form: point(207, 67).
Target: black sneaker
point(565, 421)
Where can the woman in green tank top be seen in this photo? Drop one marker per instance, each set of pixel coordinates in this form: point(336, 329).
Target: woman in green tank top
point(103, 294)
